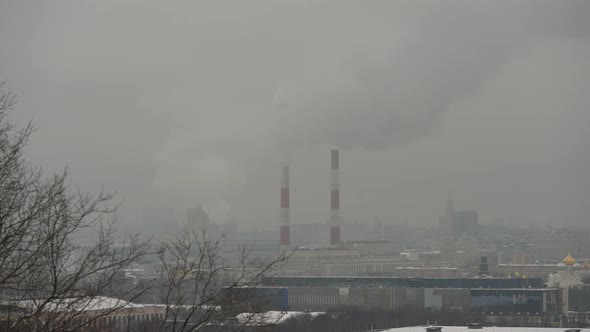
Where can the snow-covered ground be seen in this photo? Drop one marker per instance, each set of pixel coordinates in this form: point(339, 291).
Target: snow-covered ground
point(484, 329)
point(272, 317)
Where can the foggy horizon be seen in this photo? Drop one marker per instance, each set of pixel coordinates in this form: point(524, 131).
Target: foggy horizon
point(178, 103)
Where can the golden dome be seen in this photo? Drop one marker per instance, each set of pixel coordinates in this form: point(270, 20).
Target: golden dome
point(569, 260)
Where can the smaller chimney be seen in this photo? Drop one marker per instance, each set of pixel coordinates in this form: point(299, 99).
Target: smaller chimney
point(285, 239)
point(335, 199)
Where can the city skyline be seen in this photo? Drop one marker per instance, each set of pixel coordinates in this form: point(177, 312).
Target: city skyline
point(293, 165)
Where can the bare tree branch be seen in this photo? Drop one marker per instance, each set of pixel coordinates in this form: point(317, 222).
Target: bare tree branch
point(197, 279)
point(44, 269)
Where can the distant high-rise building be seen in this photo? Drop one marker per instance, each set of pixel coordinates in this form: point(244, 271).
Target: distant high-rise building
point(468, 248)
point(448, 251)
point(446, 222)
point(457, 223)
point(483, 266)
point(523, 258)
point(466, 222)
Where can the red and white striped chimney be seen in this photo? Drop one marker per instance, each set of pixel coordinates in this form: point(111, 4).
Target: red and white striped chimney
point(335, 200)
point(285, 214)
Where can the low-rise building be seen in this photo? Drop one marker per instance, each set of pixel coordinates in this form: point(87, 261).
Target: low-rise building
point(374, 266)
point(524, 270)
point(523, 258)
point(99, 312)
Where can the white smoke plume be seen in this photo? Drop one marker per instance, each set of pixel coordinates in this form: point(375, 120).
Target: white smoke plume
point(370, 75)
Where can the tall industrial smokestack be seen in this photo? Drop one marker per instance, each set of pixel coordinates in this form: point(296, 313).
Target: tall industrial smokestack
point(335, 200)
point(285, 213)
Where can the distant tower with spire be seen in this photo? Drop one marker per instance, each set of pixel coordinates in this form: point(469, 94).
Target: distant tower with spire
point(450, 206)
point(446, 222)
point(455, 223)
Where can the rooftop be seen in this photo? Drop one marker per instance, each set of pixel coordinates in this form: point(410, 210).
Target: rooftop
point(569, 260)
point(76, 304)
point(416, 282)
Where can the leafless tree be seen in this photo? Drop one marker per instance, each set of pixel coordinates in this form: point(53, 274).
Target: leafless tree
point(205, 281)
point(48, 278)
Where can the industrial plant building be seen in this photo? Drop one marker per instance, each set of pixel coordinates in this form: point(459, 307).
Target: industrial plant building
point(453, 295)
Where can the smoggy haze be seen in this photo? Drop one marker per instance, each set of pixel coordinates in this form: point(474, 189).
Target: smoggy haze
point(179, 102)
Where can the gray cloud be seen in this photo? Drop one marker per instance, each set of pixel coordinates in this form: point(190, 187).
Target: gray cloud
point(200, 101)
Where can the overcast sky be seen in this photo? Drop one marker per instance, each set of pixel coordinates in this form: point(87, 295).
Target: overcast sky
point(174, 103)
